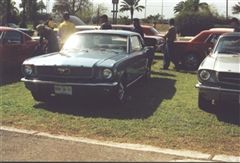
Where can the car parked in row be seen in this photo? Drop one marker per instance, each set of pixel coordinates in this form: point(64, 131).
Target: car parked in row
point(15, 47)
point(28, 31)
point(219, 74)
point(96, 62)
point(151, 36)
point(189, 54)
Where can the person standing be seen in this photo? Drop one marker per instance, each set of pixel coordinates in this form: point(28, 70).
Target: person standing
point(137, 27)
point(105, 23)
point(50, 23)
point(66, 28)
point(170, 37)
point(235, 24)
point(48, 34)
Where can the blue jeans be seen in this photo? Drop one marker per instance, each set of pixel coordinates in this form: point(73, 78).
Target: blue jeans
point(167, 54)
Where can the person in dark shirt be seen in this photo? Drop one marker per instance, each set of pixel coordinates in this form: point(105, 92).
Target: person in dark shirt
point(50, 36)
point(235, 24)
point(137, 27)
point(170, 37)
point(105, 23)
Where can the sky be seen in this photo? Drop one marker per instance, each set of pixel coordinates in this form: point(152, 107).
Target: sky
point(154, 7)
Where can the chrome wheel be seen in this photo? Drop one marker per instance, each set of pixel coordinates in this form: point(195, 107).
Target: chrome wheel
point(191, 61)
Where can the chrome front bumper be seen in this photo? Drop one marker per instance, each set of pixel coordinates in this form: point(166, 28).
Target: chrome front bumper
point(219, 89)
point(68, 83)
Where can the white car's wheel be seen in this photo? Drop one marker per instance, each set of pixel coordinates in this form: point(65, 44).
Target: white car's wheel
point(38, 96)
point(205, 104)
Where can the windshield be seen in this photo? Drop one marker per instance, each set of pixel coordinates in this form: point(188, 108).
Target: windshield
point(150, 31)
point(228, 45)
point(93, 41)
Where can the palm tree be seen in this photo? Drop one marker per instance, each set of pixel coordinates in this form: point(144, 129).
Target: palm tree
point(236, 8)
point(131, 5)
point(41, 6)
point(7, 11)
point(191, 5)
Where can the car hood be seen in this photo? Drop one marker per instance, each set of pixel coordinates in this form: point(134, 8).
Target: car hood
point(223, 63)
point(83, 58)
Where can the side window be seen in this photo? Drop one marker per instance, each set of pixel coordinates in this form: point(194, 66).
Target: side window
point(136, 44)
point(13, 37)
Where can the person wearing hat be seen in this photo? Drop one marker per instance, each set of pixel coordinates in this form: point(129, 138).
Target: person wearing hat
point(66, 28)
point(47, 33)
point(105, 23)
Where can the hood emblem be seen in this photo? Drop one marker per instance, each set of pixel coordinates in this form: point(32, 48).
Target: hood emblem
point(63, 71)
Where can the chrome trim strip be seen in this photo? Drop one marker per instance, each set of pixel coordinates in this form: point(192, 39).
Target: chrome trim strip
point(73, 84)
point(135, 80)
point(199, 85)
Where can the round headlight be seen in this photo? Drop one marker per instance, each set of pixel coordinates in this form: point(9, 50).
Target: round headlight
point(204, 75)
point(28, 70)
point(107, 73)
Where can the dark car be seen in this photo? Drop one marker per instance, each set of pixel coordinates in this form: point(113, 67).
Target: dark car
point(95, 62)
point(189, 54)
point(151, 36)
point(219, 75)
point(15, 47)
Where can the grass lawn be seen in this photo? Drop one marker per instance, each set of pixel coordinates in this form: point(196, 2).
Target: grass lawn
point(162, 112)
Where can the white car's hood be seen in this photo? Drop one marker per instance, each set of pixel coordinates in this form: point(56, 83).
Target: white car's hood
point(222, 63)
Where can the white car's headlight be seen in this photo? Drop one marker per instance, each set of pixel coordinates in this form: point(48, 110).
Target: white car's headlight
point(28, 70)
point(207, 76)
point(204, 75)
point(107, 73)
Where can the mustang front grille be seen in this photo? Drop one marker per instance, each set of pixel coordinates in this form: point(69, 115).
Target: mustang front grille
point(65, 72)
point(229, 78)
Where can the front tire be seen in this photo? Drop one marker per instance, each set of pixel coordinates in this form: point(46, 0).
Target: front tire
point(38, 96)
point(191, 61)
point(205, 104)
point(147, 75)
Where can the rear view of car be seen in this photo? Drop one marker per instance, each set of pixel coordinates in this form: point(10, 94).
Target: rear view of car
point(15, 47)
point(219, 75)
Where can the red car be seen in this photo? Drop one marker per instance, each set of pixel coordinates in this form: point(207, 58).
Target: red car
point(151, 36)
point(15, 47)
point(189, 54)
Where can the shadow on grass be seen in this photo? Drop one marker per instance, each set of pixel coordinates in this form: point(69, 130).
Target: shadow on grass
point(229, 113)
point(143, 101)
point(162, 73)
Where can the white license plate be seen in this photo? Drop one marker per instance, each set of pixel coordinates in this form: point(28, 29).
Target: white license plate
point(63, 90)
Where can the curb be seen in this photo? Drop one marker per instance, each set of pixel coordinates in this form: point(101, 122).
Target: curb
point(137, 147)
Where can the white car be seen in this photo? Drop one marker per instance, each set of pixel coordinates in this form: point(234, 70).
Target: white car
point(219, 75)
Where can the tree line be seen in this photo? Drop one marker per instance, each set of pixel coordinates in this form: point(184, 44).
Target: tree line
point(191, 15)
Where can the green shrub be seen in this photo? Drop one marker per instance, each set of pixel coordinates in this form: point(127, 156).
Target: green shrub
point(191, 23)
